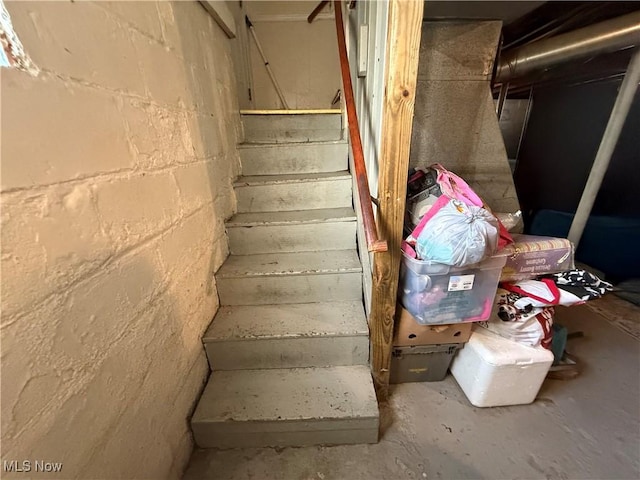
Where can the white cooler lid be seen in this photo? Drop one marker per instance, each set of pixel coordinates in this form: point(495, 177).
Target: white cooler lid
point(498, 350)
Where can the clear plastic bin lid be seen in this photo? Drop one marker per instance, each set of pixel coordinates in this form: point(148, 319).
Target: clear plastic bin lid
point(427, 267)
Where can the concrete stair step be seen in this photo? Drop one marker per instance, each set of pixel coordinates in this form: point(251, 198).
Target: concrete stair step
point(288, 336)
point(301, 277)
point(292, 231)
point(287, 264)
point(283, 158)
point(279, 128)
point(289, 346)
point(287, 407)
point(271, 193)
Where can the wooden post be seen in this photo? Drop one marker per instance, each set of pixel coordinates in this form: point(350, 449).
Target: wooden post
point(403, 45)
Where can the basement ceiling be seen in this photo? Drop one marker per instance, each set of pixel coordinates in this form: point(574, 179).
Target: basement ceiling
point(505, 11)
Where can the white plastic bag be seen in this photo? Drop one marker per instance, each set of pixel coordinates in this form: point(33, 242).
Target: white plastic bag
point(458, 235)
point(532, 331)
point(530, 327)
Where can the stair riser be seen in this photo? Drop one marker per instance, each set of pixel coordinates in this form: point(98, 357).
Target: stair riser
point(266, 290)
point(294, 158)
point(206, 436)
point(292, 238)
point(334, 193)
point(292, 128)
point(288, 352)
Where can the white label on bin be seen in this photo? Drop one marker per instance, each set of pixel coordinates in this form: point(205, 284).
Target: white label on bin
point(461, 282)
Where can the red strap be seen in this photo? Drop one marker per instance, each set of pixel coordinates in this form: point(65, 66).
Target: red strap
point(505, 237)
point(553, 289)
point(544, 319)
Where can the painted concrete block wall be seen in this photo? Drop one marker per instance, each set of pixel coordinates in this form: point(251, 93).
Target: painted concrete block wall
point(303, 57)
point(455, 123)
point(117, 170)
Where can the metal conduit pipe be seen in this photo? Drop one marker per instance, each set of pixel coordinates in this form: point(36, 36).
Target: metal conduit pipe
point(608, 36)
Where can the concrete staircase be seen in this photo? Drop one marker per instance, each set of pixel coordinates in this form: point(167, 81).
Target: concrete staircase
point(289, 346)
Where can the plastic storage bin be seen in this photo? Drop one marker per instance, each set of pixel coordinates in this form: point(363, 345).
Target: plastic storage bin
point(435, 293)
point(494, 371)
point(422, 363)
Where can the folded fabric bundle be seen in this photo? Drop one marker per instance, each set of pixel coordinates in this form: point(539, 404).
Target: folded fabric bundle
point(581, 283)
point(573, 287)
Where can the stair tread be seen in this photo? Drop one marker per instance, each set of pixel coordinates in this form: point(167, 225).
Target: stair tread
point(248, 145)
point(321, 215)
point(288, 395)
point(298, 263)
point(293, 111)
point(236, 323)
point(290, 178)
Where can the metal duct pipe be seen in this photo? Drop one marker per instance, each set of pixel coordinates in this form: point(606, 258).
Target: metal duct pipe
point(609, 36)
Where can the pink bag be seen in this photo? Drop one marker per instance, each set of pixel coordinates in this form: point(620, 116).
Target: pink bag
point(452, 186)
point(455, 187)
point(435, 208)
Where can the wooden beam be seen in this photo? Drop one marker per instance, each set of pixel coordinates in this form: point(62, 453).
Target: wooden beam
point(403, 45)
point(222, 15)
point(317, 10)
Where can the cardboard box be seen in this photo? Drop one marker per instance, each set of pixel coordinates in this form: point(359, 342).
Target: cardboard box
point(533, 255)
point(409, 332)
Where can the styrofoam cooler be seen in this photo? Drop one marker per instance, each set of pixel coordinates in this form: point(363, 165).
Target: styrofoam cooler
point(494, 371)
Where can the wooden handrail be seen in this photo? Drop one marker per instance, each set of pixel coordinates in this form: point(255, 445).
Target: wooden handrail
point(370, 231)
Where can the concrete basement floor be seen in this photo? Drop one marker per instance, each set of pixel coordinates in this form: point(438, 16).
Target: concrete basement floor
point(587, 427)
